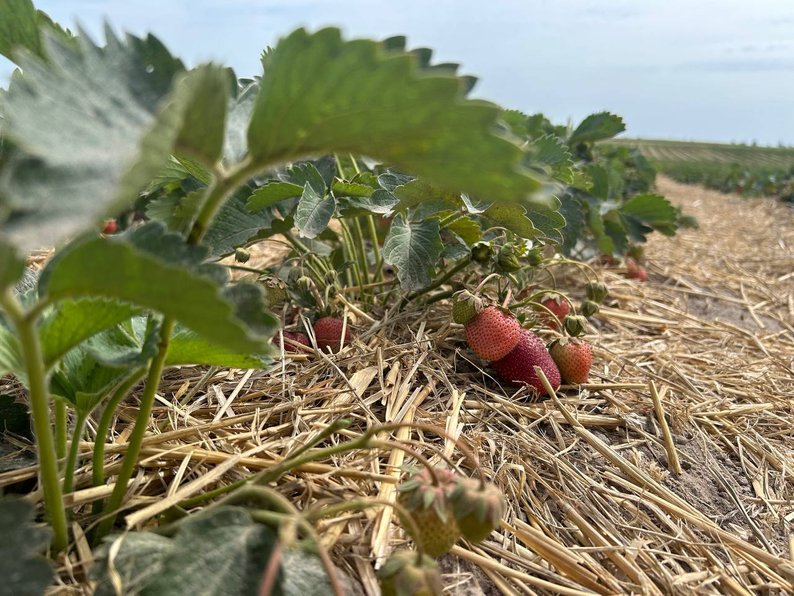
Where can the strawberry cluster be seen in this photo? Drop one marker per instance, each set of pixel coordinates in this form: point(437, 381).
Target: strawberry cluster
point(494, 334)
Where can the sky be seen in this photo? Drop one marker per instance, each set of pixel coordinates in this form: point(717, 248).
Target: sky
point(711, 70)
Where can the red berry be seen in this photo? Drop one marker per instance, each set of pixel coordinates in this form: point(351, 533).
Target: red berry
point(635, 271)
point(328, 332)
point(110, 227)
point(518, 365)
point(493, 333)
point(295, 336)
point(557, 305)
point(574, 359)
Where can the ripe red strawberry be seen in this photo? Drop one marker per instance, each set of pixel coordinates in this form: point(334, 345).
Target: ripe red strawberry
point(404, 574)
point(429, 508)
point(557, 305)
point(518, 365)
point(295, 336)
point(110, 227)
point(328, 332)
point(478, 509)
point(574, 359)
point(493, 333)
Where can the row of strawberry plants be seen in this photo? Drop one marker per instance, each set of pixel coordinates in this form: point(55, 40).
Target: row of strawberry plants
point(769, 181)
point(360, 155)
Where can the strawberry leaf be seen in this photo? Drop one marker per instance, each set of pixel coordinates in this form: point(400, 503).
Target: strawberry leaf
point(649, 211)
point(158, 270)
point(94, 126)
point(597, 127)
point(23, 570)
point(220, 551)
point(71, 322)
point(271, 193)
point(314, 211)
point(321, 94)
point(414, 248)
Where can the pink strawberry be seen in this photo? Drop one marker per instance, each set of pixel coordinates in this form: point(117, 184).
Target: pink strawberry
point(111, 227)
point(493, 333)
point(518, 365)
point(557, 305)
point(635, 271)
point(574, 359)
point(328, 332)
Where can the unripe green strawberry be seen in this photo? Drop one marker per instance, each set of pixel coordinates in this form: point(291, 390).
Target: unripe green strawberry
point(465, 306)
point(535, 257)
point(589, 308)
point(241, 255)
point(519, 365)
point(404, 575)
point(481, 252)
point(507, 259)
point(574, 325)
point(493, 333)
point(574, 359)
point(478, 509)
point(430, 510)
point(596, 291)
point(328, 333)
point(558, 306)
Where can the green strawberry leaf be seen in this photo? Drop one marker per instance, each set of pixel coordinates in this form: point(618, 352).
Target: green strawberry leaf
point(321, 94)
point(235, 145)
point(314, 211)
point(20, 23)
point(71, 322)
point(271, 193)
point(651, 210)
point(82, 381)
point(551, 156)
point(176, 211)
point(512, 217)
point(23, 569)
point(468, 229)
point(220, 551)
point(10, 354)
point(11, 266)
point(414, 249)
point(417, 191)
point(158, 270)
point(597, 127)
point(87, 154)
point(235, 226)
point(341, 188)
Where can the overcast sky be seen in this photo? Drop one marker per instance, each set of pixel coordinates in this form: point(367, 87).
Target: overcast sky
point(719, 70)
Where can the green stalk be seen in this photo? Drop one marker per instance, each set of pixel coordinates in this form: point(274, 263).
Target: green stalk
point(348, 247)
point(101, 437)
point(40, 412)
point(373, 236)
point(462, 264)
point(61, 428)
point(74, 451)
point(361, 251)
point(139, 430)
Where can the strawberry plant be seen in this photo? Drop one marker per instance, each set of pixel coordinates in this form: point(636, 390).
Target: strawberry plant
point(606, 191)
point(209, 163)
point(143, 176)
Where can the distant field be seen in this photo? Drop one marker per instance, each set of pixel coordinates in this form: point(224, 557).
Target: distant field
point(716, 153)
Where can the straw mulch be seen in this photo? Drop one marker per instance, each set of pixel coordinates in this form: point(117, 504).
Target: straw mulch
point(670, 473)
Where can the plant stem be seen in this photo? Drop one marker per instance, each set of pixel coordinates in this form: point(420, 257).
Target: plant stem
point(74, 451)
point(61, 428)
point(348, 247)
point(40, 412)
point(98, 458)
point(361, 251)
point(139, 430)
point(440, 281)
point(373, 236)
